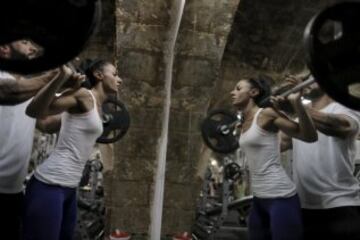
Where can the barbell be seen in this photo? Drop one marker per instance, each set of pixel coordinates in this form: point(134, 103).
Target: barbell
point(332, 41)
point(216, 130)
point(116, 121)
point(334, 59)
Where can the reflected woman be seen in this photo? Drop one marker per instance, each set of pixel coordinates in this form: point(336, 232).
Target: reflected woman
point(275, 212)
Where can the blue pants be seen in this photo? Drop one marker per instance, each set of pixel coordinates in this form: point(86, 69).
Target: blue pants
point(50, 212)
point(275, 219)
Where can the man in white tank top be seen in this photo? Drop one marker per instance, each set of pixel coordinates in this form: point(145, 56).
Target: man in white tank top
point(323, 171)
point(16, 136)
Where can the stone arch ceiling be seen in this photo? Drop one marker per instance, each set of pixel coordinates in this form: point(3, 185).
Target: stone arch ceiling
point(266, 37)
point(199, 49)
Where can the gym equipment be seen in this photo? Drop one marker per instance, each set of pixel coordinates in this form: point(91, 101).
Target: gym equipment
point(217, 131)
point(232, 171)
point(91, 209)
point(116, 121)
point(222, 218)
point(332, 43)
point(61, 28)
point(309, 80)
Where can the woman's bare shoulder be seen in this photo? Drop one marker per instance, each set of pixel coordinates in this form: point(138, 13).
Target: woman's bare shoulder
point(273, 113)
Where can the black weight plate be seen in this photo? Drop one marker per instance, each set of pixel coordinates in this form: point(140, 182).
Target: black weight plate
point(213, 137)
point(335, 60)
point(116, 121)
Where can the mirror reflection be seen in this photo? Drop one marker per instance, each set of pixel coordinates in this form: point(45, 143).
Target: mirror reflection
point(112, 145)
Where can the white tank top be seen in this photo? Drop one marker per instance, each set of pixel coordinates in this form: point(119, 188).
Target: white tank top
point(16, 140)
point(323, 170)
point(77, 138)
point(262, 150)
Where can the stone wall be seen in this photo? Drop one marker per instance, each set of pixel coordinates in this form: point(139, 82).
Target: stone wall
point(200, 45)
point(140, 35)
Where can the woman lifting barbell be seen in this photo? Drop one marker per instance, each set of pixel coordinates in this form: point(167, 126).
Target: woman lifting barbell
point(275, 213)
point(50, 200)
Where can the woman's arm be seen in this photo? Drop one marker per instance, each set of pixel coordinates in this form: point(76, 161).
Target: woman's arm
point(47, 103)
point(304, 129)
point(49, 124)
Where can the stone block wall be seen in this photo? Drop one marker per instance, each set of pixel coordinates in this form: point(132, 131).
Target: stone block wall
point(140, 34)
point(203, 32)
point(141, 28)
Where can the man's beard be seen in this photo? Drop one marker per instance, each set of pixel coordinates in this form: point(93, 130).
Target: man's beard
point(16, 55)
